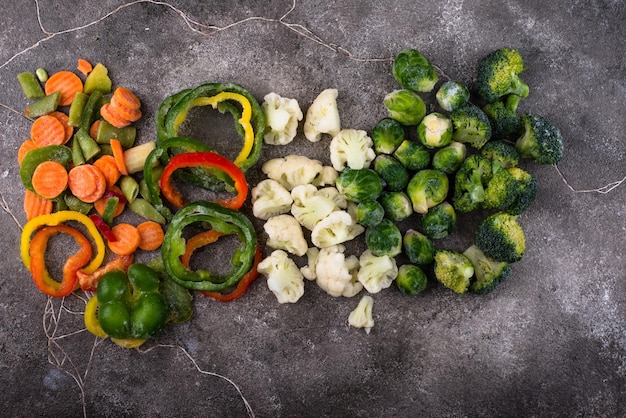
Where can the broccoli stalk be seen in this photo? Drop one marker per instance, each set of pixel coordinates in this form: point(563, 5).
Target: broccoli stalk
point(487, 271)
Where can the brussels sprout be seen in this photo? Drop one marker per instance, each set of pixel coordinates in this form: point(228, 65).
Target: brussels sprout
point(411, 279)
point(358, 185)
point(427, 188)
point(384, 239)
point(387, 135)
point(439, 221)
point(405, 106)
point(413, 71)
point(397, 205)
point(412, 155)
point(435, 130)
point(369, 213)
point(418, 247)
point(393, 173)
point(452, 95)
point(449, 159)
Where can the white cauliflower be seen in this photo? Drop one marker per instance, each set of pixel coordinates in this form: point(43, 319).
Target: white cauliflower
point(322, 117)
point(376, 273)
point(336, 228)
point(283, 277)
point(353, 148)
point(308, 271)
point(282, 116)
point(270, 198)
point(336, 274)
point(326, 177)
point(292, 170)
point(285, 233)
point(333, 194)
point(361, 316)
point(309, 206)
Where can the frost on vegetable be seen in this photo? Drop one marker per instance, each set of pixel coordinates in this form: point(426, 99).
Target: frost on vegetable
point(336, 228)
point(282, 116)
point(292, 170)
point(308, 271)
point(361, 316)
point(322, 117)
point(310, 206)
point(352, 148)
point(270, 198)
point(376, 273)
point(336, 274)
point(285, 233)
point(284, 279)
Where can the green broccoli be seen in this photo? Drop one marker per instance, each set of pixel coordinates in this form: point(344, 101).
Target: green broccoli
point(541, 140)
point(505, 122)
point(453, 270)
point(418, 247)
point(502, 189)
point(387, 135)
point(448, 159)
point(413, 71)
point(452, 95)
point(502, 152)
point(411, 279)
point(471, 126)
point(501, 237)
point(527, 191)
point(470, 182)
point(498, 75)
point(487, 271)
point(439, 221)
point(412, 155)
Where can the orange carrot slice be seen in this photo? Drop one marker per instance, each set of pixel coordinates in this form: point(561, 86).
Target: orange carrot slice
point(93, 129)
point(65, 121)
point(65, 82)
point(35, 205)
point(87, 182)
point(128, 239)
point(124, 112)
point(26, 146)
point(151, 235)
point(47, 130)
point(118, 154)
point(84, 66)
point(107, 112)
point(49, 179)
point(108, 166)
point(126, 98)
point(101, 203)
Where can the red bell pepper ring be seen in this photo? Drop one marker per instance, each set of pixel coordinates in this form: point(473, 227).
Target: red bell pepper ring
point(209, 160)
point(103, 227)
point(41, 276)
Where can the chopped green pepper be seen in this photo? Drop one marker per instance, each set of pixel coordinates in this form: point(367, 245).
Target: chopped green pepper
point(59, 153)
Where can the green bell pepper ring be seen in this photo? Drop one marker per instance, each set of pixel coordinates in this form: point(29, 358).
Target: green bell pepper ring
point(130, 304)
point(59, 153)
point(221, 219)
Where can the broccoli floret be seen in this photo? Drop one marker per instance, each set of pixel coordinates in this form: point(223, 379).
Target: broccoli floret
point(470, 182)
point(505, 122)
point(498, 75)
point(470, 125)
point(501, 237)
point(487, 271)
point(453, 270)
point(452, 95)
point(502, 152)
point(502, 189)
point(413, 71)
point(527, 190)
point(541, 140)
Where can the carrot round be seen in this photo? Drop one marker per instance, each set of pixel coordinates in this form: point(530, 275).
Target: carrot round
point(151, 235)
point(93, 129)
point(87, 182)
point(107, 112)
point(84, 66)
point(118, 154)
point(49, 179)
point(108, 166)
point(35, 205)
point(126, 98)
point(65, 82)
point(26, 146)
point(100, 204)
point(65, 121)
point(47, 130)
point(131, 115)
point(128, 239)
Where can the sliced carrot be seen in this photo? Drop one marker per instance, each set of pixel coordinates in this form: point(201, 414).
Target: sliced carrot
point(49, 179)
point(107, 113)
point(89, 281)
point(65, 121)
point(108, 166)
point(151, 235)
point(47, 130)
point(26, 146)
point(101, 203)
point(35, 205)
point(128, 239)
point(93, 130)
point(118, 154)
point(131, 115)
point(87, 182)
point(84, 66)
point(65, 82)
point(126, 98)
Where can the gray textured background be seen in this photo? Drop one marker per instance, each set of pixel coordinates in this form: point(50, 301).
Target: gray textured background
point(550, 341)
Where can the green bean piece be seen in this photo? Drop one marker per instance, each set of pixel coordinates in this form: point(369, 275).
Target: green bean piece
point(77, 205)
point(90, 113)
point(44, 105)
point(144, 209)
point(30, 85)
point(87, 145)
point(77, 154)
point(77, 108)
point(125, 135)
point(130, 188)
point(109, 209)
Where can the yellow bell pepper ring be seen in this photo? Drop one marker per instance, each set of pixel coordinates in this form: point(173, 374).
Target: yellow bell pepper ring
point(91, 318)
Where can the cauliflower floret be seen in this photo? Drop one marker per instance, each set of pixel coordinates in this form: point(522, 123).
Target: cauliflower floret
point(270, 198)
point(336, 228)
point(285, 233)
point(336, 274)
point(308, 271)
point(361, 316)
point(333, 194)
point(326, 177)
point(309, 206)
point(322, 117)
point(283, 277)
point(376, 273)
point(353, 148)
point(292, 170)
point(282, 116)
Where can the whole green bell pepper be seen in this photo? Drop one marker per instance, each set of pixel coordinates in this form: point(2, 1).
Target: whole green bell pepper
point(130, 304)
